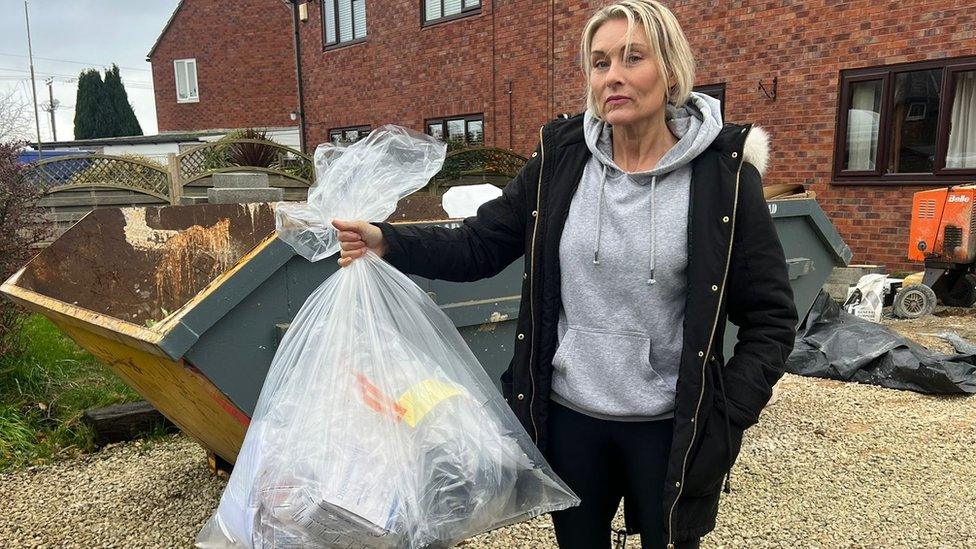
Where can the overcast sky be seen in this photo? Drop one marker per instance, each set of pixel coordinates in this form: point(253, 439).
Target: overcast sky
point(71, 35)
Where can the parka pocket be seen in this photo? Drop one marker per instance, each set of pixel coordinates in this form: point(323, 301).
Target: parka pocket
point(715, 455)
point(507, 383)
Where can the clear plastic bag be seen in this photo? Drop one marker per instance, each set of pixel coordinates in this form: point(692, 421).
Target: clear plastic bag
point(376, 426)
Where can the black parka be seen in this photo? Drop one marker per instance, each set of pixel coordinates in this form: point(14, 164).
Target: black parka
point(736, 270)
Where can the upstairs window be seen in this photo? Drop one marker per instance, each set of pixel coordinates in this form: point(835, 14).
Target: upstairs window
point(186, 80)
point(442, 10)
point(343, 21)
point(913, 122)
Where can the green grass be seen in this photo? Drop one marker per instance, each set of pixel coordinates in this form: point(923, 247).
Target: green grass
point(45, 391)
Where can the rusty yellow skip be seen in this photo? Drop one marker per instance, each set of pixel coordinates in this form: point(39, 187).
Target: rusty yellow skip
point(187, 304)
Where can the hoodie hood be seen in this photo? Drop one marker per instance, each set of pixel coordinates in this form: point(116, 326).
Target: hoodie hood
point(695, 124)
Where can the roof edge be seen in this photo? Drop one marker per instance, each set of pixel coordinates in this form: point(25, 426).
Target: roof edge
point(159, 38)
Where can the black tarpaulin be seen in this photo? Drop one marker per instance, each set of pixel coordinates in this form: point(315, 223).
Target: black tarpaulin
point(837, 345)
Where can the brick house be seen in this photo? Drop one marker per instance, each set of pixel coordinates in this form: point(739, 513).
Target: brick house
point(217, 65)
point(493, 72)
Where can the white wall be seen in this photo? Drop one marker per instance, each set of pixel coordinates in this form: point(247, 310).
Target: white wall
point(155, 151)
point(160, 151)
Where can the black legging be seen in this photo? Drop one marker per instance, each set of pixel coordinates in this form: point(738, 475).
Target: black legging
point(603, 461)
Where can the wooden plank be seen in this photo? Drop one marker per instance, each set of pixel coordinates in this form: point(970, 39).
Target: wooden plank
point(54, 201)
point(125, 422)
point(69, 217)
point(273, 181)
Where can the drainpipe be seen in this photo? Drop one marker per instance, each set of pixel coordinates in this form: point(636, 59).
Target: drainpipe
point(298, 73)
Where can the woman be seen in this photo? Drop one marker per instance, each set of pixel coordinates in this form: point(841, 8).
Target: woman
point(643, 227)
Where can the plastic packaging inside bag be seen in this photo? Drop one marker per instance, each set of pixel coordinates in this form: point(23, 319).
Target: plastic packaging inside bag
point(376, 426)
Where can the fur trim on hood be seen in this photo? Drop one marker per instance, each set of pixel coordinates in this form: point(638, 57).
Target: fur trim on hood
point(756, 149)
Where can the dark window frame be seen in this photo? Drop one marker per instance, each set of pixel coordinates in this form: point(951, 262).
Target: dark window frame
point(362, 129)
point(940, 175)
point(480, 117)
point(465, 12)
point(713, 90)
point(326, 45)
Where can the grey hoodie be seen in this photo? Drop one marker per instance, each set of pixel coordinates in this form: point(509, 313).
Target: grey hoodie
point(623, 257)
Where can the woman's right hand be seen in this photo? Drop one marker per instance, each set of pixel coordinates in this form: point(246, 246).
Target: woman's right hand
point(355, 238)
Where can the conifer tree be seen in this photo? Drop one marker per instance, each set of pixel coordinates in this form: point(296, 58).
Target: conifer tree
point(86, 104)
point(125, 117)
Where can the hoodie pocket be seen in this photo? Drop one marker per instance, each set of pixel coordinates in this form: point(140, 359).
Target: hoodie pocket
point(610, 372)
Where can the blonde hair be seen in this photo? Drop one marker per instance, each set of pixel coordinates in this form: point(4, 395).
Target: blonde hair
point(673, 54)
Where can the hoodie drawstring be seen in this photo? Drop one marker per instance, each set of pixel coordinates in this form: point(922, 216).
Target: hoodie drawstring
point(599, 215)
point(653, 228)
point(599, 222)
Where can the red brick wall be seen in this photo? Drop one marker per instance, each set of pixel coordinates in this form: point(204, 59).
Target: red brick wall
point(807, 44)
point(405, 74)
point(245, 66)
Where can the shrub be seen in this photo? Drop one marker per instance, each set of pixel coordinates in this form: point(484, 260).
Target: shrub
point(22, 227)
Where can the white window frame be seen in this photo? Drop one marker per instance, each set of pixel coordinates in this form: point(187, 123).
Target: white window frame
point(180, 67)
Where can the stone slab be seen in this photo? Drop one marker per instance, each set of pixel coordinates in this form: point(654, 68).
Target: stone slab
point(240, 196)
point(234, 180)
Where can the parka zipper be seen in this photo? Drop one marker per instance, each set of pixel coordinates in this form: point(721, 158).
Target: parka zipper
point(535, 231)
point(705, 357)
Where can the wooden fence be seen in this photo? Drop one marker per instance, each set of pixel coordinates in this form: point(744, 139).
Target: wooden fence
point(78, 184)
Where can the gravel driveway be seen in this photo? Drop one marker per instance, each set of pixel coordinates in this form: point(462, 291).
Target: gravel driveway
point(830, 465)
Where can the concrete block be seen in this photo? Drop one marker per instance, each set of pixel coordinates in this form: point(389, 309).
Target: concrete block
point(240, 180)
point(852, 273)
point(841, 278)
point(238, 196)
point(838, 292)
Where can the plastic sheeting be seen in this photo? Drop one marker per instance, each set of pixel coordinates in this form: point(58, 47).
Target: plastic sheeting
point(837, 345)
point(464, 201)
point(376, 427)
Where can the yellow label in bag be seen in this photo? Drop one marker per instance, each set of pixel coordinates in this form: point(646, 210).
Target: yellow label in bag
point(423, 397)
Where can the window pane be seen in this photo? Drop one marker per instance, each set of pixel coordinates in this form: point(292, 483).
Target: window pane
point(329, 15)
point(863, 122)
point(915, 121)
point(345, 20)
point(455, 130)
point(436, 130)
point(471, 3)
point(181, 88)
point(359, 18)
point(191, 74)
point(335, 136)
point(452, 7)
point(962, 129)
point(476, 135)
point(432, 9)
point(352, 136)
